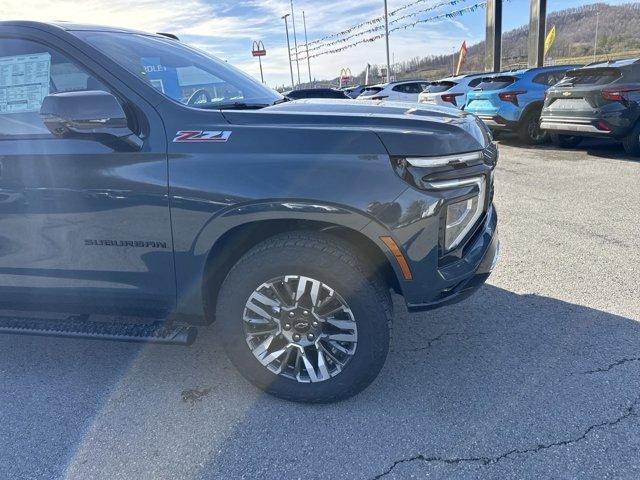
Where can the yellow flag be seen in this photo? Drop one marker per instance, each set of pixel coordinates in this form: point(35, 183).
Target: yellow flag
point(548, 43)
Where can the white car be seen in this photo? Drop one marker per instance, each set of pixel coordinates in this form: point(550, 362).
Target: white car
point(451, 91)
point(404, 91)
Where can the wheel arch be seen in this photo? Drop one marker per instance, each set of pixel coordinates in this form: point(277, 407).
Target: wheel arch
point(531, 107)
point(226, 245)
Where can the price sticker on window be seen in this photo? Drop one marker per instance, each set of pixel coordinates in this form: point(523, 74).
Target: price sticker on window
point(24, 82)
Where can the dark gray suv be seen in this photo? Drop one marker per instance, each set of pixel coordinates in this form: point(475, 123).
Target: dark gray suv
point(148, 189)
point(599, 100)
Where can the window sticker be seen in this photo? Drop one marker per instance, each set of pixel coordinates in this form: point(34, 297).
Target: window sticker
point(157, 74)
point(24, 82)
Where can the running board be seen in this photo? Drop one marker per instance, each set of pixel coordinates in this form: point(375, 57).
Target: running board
point(81, 327)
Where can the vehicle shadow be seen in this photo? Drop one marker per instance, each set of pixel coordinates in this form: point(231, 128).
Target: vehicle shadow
point(498, 373)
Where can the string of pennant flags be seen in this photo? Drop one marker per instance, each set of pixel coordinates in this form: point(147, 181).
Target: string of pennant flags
point(449, 15)
point(379, 27)
point(380, 19)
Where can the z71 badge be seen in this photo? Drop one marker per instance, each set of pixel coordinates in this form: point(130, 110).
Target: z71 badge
point(201, 136)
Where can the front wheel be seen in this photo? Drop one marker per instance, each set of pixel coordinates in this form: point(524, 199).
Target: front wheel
point(565, 141)
point(304, 319)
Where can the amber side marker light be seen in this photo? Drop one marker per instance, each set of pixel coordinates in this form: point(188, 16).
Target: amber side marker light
point(397, 253)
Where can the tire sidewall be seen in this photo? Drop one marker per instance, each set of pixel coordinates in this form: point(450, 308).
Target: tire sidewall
point(631, 142)
point(532, 118)
point(352, 285)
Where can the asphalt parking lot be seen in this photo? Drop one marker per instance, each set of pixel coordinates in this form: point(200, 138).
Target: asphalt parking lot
point(537, 376)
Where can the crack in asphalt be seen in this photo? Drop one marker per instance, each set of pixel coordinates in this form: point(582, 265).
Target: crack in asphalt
point(433, 340)
point(627, 413)
point(612, 365)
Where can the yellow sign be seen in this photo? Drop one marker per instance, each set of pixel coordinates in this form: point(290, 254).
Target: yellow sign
point(548, 43)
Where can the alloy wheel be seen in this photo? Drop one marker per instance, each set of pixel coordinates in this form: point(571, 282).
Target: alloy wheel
point(300, 328)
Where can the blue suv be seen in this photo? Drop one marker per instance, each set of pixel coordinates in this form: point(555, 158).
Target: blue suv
point(513, 100)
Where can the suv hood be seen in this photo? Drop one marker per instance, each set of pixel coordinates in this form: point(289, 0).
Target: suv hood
point(404, 128)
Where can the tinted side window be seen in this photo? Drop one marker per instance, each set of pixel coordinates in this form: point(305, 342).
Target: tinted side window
point(542, 79)
point(557, 76)
point(415, 87)
point(335, 94)
point(409, 88)
point(29, 71)
point(475, 82)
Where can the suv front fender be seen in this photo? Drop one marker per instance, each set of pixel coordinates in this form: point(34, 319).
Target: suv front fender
point(263, 216)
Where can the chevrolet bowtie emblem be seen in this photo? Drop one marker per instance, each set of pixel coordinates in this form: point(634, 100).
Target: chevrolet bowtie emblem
point(566, 94)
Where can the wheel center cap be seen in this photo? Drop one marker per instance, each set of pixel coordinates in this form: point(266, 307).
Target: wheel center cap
point(302, 326)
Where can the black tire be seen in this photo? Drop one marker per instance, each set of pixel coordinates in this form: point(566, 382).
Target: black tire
point(331, 261)
point(530, 132)
point(631, 142)
point(565, 141)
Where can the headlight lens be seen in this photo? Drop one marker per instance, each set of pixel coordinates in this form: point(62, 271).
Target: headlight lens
point(461, 216)
point(445, 160)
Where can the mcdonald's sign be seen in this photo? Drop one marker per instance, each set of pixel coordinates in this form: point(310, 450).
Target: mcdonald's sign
point(258, 49)
point(345, 75)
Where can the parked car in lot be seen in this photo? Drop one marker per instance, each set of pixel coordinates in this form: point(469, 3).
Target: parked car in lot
point(513, 100)
point(316, 93)
point(405, 91)
point(451, 91)
point(355, 91)
point(144, 178)
point(599, 100)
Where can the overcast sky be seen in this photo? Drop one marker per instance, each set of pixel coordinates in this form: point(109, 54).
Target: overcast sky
point(227, 28)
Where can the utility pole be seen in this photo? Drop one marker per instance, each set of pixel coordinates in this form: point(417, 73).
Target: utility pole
point(295, 41)
point(306, 44)
point(386, 29)
point(595, 43)
point(286, 27)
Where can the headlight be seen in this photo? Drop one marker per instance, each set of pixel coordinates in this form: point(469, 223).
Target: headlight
point(462, 216)
point(445, 160)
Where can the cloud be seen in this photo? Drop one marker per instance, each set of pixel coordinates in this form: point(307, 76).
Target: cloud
point(227, 28)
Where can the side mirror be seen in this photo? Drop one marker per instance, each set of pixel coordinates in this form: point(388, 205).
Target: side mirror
point(93, 115)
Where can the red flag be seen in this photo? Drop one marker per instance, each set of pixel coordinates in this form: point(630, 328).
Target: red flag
point(463, 56)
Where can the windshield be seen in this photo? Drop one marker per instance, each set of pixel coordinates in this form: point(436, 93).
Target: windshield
point(184, 74)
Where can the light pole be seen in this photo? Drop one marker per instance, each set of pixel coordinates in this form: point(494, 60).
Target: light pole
point(595, 43)
point(286, 27)
point(295, 40)
point(386, 29)
point(306, 43)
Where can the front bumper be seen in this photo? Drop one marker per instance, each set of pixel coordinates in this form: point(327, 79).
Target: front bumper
point(463, 278)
